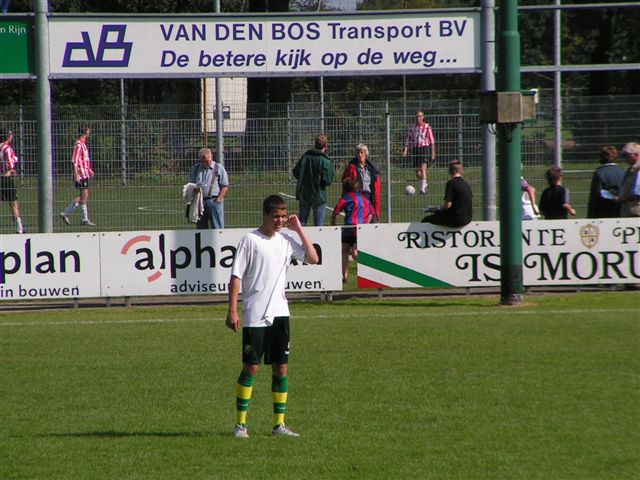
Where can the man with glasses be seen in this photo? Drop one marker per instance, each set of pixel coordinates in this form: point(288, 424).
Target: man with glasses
point(419, 140)
point(629, 197)
point(212, 179)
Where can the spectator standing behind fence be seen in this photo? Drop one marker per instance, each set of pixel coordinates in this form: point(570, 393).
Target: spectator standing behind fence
point(529, 208)
point(260, 266)
point(357, 210)
point(314, 172)
point(360, 168)
point(457, 208)
point(212, 179)
point(419, 139)
point(554, 201)
point(629, 197)
point(8, 193)
point(82, 174)
point(606, 184)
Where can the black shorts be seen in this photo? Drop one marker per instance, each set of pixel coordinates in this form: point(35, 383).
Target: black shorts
point(419, 156)
point(272, 342)
point(83, 183)
point(8, 189)
point(349, 235)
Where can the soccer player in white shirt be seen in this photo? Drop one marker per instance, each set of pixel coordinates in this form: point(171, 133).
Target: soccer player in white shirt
point(419, 139)
point(8, 161)
point(260, 266)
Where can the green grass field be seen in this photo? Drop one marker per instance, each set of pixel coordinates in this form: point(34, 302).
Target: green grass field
point(447, 388)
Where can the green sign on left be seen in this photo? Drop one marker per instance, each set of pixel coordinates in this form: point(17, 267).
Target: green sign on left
point(16, 46)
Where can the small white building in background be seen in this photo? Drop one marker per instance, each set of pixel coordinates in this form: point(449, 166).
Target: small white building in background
point(234, 105)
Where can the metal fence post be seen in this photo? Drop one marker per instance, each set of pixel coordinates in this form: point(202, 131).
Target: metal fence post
point(360, 130)
point(219, 118)
point(489, 207)
point(123, 134)
point(387, 122)
point(460, 135)
point(557, 89)
point(322, 104)
point(289, 140)
point(21, 139)
point(43, 100)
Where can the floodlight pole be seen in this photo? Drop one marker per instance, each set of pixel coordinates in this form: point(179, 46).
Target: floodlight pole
point(43, 102)
point(509, 149)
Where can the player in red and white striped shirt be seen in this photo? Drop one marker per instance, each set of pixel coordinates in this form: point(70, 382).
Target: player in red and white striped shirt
point(8, 161)
point(82, 173)
point(419, 139)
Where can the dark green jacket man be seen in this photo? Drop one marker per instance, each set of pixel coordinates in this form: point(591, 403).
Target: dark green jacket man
point(314, 172)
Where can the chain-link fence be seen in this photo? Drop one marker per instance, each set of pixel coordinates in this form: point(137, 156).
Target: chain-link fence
point(142, 154)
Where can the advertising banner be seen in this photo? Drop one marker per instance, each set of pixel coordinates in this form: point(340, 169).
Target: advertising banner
point(251, 45)
point(555, 252)
point(64, 265)
point(172, 262)
point(188, 262)
point(16, 47)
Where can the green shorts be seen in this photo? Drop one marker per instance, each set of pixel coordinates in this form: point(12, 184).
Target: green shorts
point(272, 342)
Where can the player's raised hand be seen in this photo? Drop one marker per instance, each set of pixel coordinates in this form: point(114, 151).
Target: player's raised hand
point(293, 223)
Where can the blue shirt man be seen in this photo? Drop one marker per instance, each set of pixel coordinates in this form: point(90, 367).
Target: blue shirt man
point(212, 178)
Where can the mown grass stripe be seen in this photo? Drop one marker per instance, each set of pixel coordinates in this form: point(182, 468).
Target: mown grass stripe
point(399, 271)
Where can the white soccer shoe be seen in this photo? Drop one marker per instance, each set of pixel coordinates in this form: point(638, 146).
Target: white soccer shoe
point(240, 431)
point(88, 223)
point(283, 431)
point(65, 218)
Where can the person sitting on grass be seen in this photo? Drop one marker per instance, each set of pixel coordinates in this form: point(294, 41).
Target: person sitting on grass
point(357, 209)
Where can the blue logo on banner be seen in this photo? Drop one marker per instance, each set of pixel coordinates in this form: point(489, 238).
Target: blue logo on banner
point(106, 44)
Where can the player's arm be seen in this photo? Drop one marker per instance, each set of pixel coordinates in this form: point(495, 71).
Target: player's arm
point(407, 142)
point(310, 254)
point(569, 209)
point(531, 192)
point(432, 141)
point(233, 319)
point(75, 160)
point(565, 203)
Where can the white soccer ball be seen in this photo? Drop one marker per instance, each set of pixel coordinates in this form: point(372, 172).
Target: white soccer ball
point(409, 190)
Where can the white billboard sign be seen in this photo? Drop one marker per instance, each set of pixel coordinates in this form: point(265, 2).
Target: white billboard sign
point(64, 265)
point(172, 262)
point(555, 252)
point(248, 45)
point(188, 262)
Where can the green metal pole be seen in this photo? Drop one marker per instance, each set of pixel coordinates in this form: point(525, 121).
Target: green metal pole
point(509, 151)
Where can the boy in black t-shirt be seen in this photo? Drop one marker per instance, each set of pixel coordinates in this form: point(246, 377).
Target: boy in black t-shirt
point(554, 201)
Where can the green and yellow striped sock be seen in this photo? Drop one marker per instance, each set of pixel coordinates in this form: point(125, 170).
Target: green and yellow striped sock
point(279, 392)
point(244, 388)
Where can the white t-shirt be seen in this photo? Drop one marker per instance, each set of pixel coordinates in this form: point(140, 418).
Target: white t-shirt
point(261, 263)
